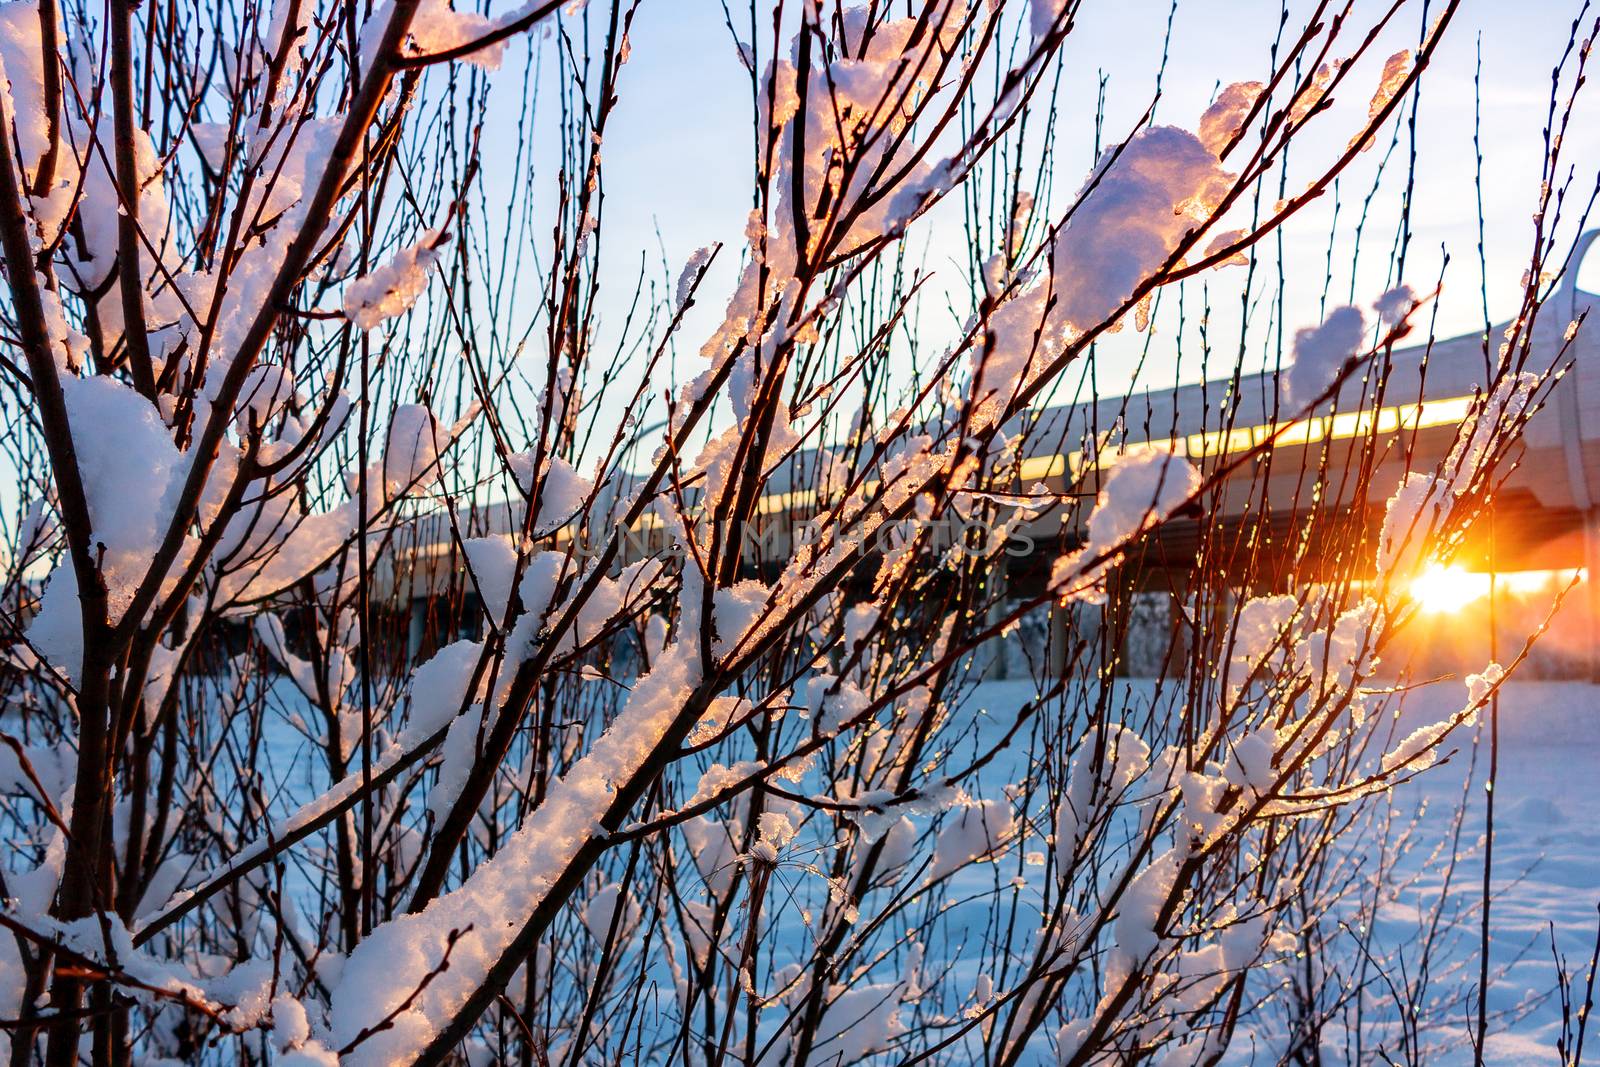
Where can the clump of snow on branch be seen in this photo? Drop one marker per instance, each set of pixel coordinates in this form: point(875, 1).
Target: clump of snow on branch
point(488, 911)
point(1099, 776)
point(1043, 15)
point(1142, 200)
point(561, 489)
point(691, 274)
point(411, 454)
point(1419, 749)
point(493, 562)
point(437, 27)
point(972, 831)
point(393, 288)
point(127, 460)
point(1395, 304)
point(1141, 489)
point(1225, 117)
point(1395, 71)
point(1423, 501)
point(1321, 354)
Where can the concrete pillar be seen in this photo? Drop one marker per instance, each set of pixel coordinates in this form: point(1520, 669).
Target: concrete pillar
point(1177, 619)
point(415, 628)
point(995, 648)
point(1060, 634)
point(1117, 614)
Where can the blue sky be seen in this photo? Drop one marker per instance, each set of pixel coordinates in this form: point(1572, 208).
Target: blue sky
point(677, 154)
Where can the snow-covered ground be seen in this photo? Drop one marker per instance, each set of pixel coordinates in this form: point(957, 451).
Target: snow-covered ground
point(1546, 865)
point(1546, 858)
point(1546, 855)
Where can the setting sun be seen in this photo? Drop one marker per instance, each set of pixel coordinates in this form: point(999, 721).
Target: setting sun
point(1444, 589)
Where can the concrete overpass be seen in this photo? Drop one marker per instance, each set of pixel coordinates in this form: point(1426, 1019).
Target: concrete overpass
point(1265, 520)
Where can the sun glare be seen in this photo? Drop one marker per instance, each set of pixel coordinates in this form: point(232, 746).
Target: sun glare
point(1444, 590)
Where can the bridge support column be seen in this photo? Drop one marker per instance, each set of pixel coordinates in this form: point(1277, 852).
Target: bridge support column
point(416, 627)
point(1060, 635)
point(1179, 633)
point(995, 650)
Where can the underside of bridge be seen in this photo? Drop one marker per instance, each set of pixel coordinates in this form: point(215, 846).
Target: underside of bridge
point(1281, 551)
point(1285, 552)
